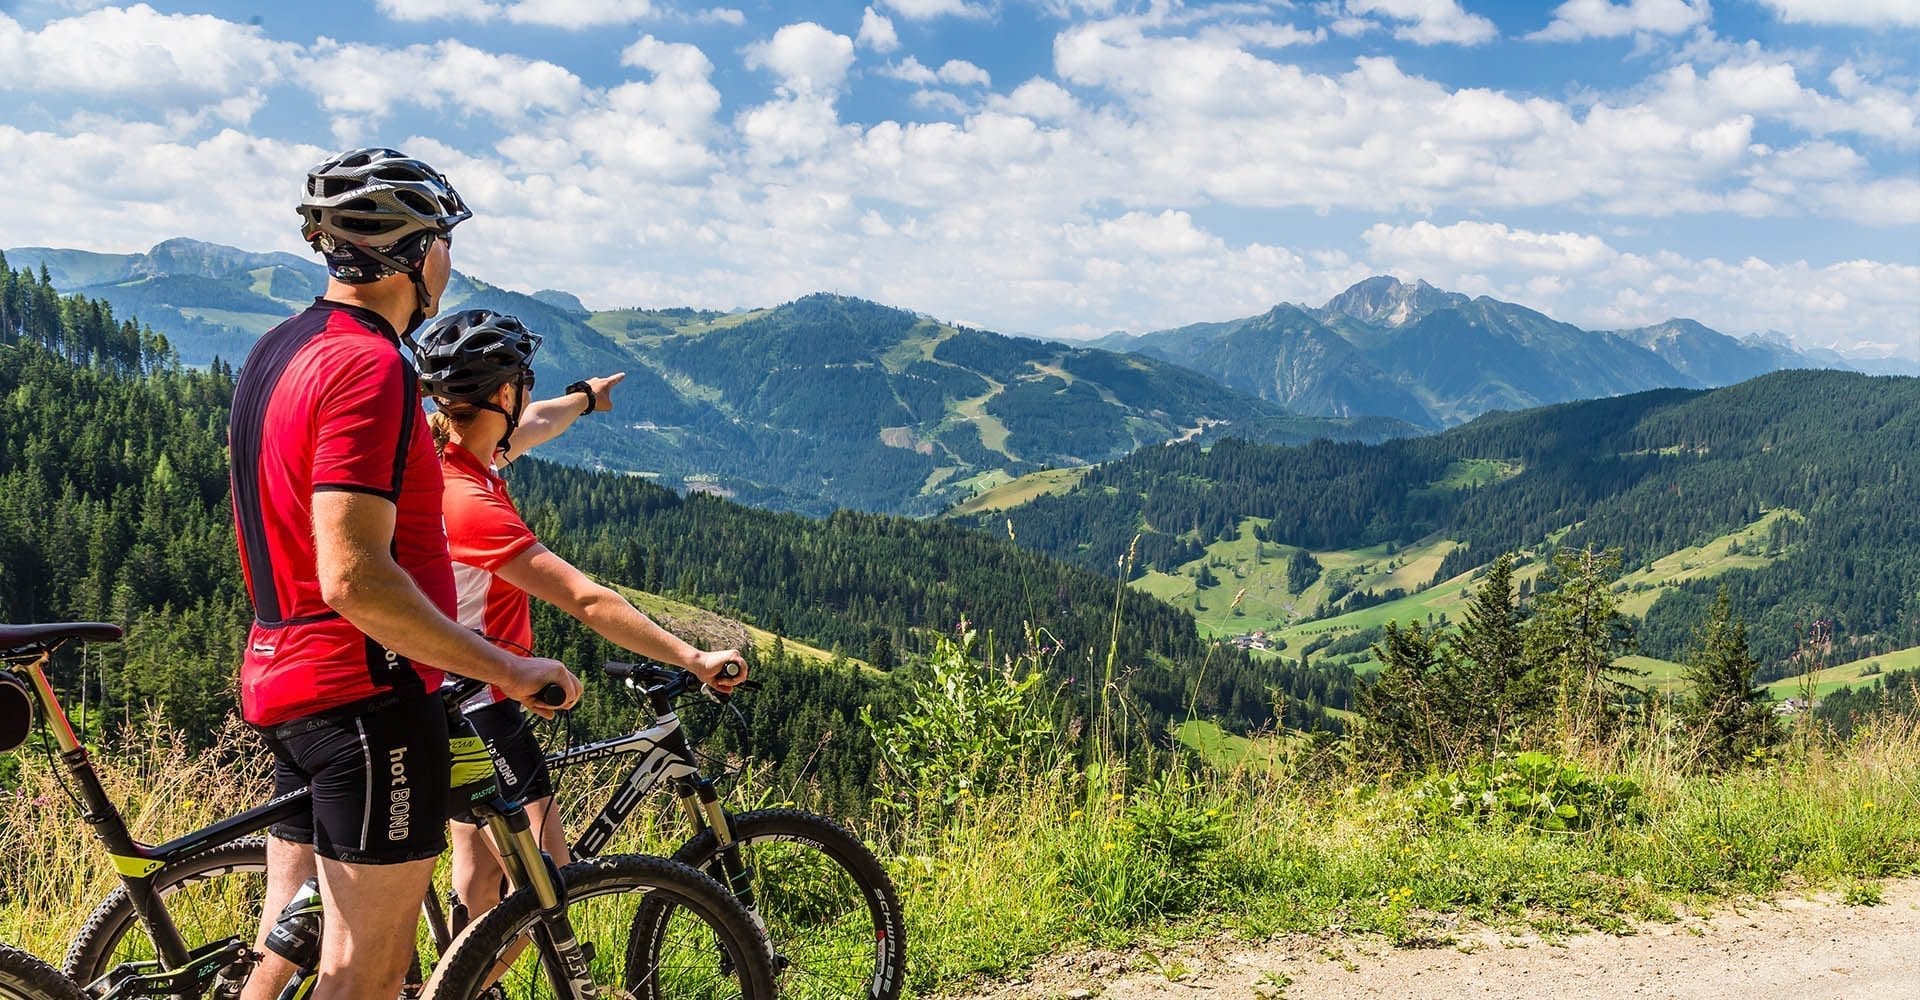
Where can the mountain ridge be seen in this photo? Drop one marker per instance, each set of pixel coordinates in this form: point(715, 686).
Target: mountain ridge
point(811, 405)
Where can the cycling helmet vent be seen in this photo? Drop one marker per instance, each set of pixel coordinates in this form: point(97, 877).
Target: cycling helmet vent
point(468, 355)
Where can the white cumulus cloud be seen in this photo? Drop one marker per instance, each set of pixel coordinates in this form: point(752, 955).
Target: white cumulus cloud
point(1578, 19)
point(446, 74)
point(1855, 13)
point(1429, 22)
point(807, 57)
point(876, 32)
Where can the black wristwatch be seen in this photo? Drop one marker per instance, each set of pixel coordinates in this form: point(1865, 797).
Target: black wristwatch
point(593, 401)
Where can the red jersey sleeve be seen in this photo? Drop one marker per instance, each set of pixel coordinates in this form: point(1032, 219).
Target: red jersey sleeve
point(364, 422)
point(483, 528)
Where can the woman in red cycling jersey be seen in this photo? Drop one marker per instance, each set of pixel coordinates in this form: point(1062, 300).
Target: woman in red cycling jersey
point(478, 367)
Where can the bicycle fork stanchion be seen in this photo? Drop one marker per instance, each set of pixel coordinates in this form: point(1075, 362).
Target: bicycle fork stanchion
point(135, 866)
point(526, 865)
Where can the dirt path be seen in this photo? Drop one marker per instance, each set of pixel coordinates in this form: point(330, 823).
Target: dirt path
point(1790, 949)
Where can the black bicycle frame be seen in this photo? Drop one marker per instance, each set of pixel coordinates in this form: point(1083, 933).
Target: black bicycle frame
point(136, 862)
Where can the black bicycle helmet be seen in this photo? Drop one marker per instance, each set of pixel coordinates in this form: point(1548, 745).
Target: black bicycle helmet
point(375, 199)
point(466, 356)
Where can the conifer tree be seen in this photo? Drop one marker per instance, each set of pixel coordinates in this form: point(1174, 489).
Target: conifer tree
point(1493, 688)
point(1406, 724)
point(1575, 638)
point(1728, 713)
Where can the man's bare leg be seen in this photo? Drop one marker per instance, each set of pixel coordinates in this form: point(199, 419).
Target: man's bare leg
point(288, 865)
point(372, 912)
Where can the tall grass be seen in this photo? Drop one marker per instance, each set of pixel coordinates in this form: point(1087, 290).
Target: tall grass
point(1055, 854)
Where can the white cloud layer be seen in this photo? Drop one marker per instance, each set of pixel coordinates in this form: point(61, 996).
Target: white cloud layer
point(1854, 13)
point(1827, 305)
point(1578, 19)
point(1428, 22)
point(1122, 188)
point(139, 55)
point(927, 10)
point(573, 14)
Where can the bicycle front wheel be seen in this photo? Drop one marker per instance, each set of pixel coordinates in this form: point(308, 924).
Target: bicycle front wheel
point(716, 953)
point(830, 911)
point(24, 977)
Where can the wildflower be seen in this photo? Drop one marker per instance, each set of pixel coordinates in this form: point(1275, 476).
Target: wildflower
point(1077, 813)
point(1108, 846)
point(1868, 806)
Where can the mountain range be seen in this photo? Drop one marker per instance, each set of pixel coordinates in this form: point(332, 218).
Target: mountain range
point(818, 404)
point(829, 401)
point(1436, 358)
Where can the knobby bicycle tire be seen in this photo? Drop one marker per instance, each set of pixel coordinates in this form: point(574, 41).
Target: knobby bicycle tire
point(727, 958)
point(807, 869)
point(24, 977)
point(96, 949)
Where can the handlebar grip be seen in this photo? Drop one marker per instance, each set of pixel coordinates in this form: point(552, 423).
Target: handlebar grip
point(732, 669)
point(552, 694)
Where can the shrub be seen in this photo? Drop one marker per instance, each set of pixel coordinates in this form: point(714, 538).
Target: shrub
point(1529, 791)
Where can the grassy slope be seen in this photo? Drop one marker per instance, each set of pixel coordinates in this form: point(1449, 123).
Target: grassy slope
point(1019, 491)
point(714, 631)
point(1847, 674)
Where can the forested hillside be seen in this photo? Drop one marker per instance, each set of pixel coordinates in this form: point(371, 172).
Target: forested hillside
point(1651, 473)
point(113, 505)
point(822, 403)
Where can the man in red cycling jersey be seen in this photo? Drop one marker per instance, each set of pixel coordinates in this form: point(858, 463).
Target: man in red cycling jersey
point(337, 499)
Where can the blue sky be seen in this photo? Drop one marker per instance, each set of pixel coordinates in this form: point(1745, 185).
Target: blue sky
point(1050, 167)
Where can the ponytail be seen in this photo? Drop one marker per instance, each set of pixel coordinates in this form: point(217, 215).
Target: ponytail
point(448, 417)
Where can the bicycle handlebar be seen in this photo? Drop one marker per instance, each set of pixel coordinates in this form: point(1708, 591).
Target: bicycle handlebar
point(670, 682)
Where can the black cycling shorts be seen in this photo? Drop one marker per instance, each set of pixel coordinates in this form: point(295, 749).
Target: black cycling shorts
point(518, 760)
point(379, 771)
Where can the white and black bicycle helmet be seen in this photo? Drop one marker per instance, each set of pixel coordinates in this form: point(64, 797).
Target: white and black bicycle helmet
point(375, 212)
point(377, 200)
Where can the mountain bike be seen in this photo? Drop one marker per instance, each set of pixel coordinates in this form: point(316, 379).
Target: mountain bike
point(24, 977)
point(215, 880)
point(829, 909)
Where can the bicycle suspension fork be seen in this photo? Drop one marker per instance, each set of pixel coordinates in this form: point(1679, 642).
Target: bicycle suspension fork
point(526, 865)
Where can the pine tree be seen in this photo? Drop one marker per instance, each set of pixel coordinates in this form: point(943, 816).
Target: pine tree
point(1494, 688)
point(1728, 713)
point(1406, 724)
point(1575, 638)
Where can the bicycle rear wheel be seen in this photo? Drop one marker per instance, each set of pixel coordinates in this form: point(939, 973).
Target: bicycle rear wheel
point(212, 896)
point(24, 977)
point(830, 911)
point(717, 953)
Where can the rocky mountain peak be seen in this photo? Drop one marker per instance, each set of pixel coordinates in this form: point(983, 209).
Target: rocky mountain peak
point(1389, 301)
